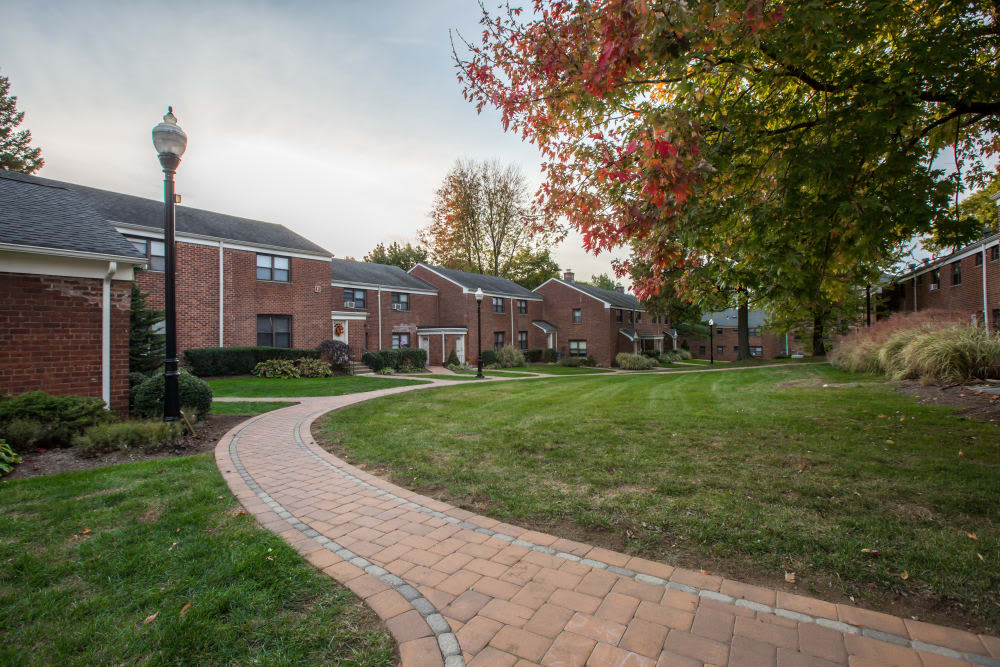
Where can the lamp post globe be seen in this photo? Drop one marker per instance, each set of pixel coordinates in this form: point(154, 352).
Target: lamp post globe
point(170, 142)
point(711, 341)
point(479, 331)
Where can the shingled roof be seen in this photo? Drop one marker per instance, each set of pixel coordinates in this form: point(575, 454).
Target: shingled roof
point(493, 285)
point(132, 211)
point(369, 274)
point(612, 297)
point(42, 215)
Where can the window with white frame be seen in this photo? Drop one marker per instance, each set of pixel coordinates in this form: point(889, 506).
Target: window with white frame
point(154, 251)
point(577, 316)
point(273, 267)
point(354, 298)
point(400, 301)
point(522, 340)
point(497, 304)
point(400, 340)
point(498, 339)
point(578, 348)
point(274, 330)
point(522, 307)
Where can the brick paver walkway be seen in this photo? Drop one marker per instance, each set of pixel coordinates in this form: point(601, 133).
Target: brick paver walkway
point(456, 588)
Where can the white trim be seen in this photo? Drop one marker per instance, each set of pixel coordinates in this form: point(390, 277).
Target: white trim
point(986, 308)
point(986, 243)
point(607, 304)
point(345, 315)
point(466, 290)
point(631, 338)
point(391, 288)
point(554, 327)
point(37, 264)
point(106, 334)
point(379, 347)
point(442, 330)
point(198, 239)
point(79, 254)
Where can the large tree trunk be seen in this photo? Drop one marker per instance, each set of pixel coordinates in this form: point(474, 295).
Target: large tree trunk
point(819, 350)
point(743, 329)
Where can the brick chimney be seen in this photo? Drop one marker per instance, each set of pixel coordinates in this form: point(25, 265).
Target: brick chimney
point(568, 276)
point(620, 288)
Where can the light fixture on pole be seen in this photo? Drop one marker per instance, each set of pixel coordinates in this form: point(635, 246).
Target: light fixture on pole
point(479, 331)
point(170, 142)
point(711, 340)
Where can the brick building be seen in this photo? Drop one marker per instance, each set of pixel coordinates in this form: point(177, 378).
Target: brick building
point(581, 320)
point(966, 281)
point(764, 344)
point(65, 294)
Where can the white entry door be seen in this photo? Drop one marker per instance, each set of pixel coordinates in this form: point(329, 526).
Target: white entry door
point(460, 348)
point(425, 344)
point(340, 330)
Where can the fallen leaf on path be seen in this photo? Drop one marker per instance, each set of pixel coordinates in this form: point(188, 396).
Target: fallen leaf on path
point(184, 609)
point(150, 618)
point(971, 536)
point(905, 575)
point(790, 577)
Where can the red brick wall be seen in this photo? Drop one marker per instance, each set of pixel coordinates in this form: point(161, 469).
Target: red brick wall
point(773, 344)
point(197, 286)
point(50, 336)
point(966, 298)
point(423, 312)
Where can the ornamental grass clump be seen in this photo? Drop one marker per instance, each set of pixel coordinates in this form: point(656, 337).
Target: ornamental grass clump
point(147, 436)
point(509, 357)
point(634, 362)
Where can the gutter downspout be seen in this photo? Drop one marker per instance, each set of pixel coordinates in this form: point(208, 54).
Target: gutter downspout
point(106, 335)
point(986, 311)
point(378, 288)
point(222, 300)
point(914, 294)
point(513, 335)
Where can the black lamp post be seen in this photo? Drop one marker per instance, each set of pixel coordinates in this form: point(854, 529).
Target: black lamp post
point(170, 141)
point(711, 341)
point(479, 331)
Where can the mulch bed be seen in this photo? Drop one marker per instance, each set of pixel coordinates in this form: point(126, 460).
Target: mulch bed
point(972, 404)
point(51, 461)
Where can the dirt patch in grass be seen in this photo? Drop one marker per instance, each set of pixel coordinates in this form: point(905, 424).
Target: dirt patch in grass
point(972, 404)
point(52, 461)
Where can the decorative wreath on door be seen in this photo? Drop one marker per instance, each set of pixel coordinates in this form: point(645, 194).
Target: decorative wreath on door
point(338, 329)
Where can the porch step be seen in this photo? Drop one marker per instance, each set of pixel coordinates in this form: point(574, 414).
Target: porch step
point(358, 368)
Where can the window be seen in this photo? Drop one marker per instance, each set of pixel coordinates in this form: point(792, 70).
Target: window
point(153, 250)
point(638, 316)
point(631, 317)
point(995, 320)
point(271, 267)
point(701, 350)
point(736, 348)
point(718, 331)
point(522, 307)
point(756, 351)
point(578, 348)
point(497, 304)
point(274, 330)
point(956, 273)
point(400, 340)
point(754, 331)
point(577, 316)
point(497, 339)
point(979, 259)
point(355, 296)
point(400, 301)
point(522, 340)
point(619, 315)
point(995, 253)
point(935, 279)
point(719, 349)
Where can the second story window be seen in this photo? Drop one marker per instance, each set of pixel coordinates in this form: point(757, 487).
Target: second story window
point(400, 301)
point(638, 316)
point(956, 273)
point(272, 267)
point(995, 253)
point(497, 304)
point(619, 315)
point(153, 250)
point(577, 316)
point(522, 307)
point(354, 298)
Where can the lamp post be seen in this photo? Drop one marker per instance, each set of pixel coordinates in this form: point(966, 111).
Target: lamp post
point(479, 331)
point(170, 141)
point(711, 341)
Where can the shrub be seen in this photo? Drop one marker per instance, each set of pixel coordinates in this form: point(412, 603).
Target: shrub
point(313, 368)
point(385, 371)
point(551, 356)
point(195, 396)
point(277, 368)
point(37, 418)
point(533, 356)
point(684, 345)
point(8, 458)
point(684, 353)
point(489, 357)
point(337, 353)
point(454, 368)
point(148, 436)
point(411, 357)
point(633, 362)
point(571, 362)
point(509, 357)
point(452, 359)
point(669, 357)
point(209, 361)
point(590, 361)
point(134, 380)
point(652, 354)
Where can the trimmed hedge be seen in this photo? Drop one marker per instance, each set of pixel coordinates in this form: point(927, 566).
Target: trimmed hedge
point(413, 357)
point(211, 361)
point(195, 395)
point(37, 418)
point(551, 355)
point(533, 356)
point(489, 357)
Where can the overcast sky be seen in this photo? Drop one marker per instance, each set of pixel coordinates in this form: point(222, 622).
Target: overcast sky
point(335, 119)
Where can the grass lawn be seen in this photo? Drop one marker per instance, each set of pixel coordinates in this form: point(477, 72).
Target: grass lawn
point(499, 374)
point(555, 369)
point(87, 557)
point(750, 474)
point(442, 376)
point(248, 408)
point(254, 387)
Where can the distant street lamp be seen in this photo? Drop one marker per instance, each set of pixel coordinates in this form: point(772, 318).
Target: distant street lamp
point(711, 341)
point(170, 141)
point(479, 332)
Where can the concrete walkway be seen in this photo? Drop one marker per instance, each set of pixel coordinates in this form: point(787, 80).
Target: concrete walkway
point(455, 588)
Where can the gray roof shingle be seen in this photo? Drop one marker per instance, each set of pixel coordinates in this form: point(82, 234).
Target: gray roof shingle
point(42, 215)
point(616, 299)
point(116, 207)
point(369, 273)
point(489, 284)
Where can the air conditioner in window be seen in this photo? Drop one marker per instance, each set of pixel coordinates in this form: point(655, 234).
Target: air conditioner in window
point(348, 304)
point(934, 287)
point(397, 306)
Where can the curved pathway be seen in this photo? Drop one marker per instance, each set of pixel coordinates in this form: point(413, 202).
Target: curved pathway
point(456, 588)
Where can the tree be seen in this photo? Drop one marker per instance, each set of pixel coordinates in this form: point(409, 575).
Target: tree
point(976, 217)
point(482, 221)
point(783, 151)
point(602, 280)
point(531, 268)
point(16, 153)
point(145, 345)
point(405, 257)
